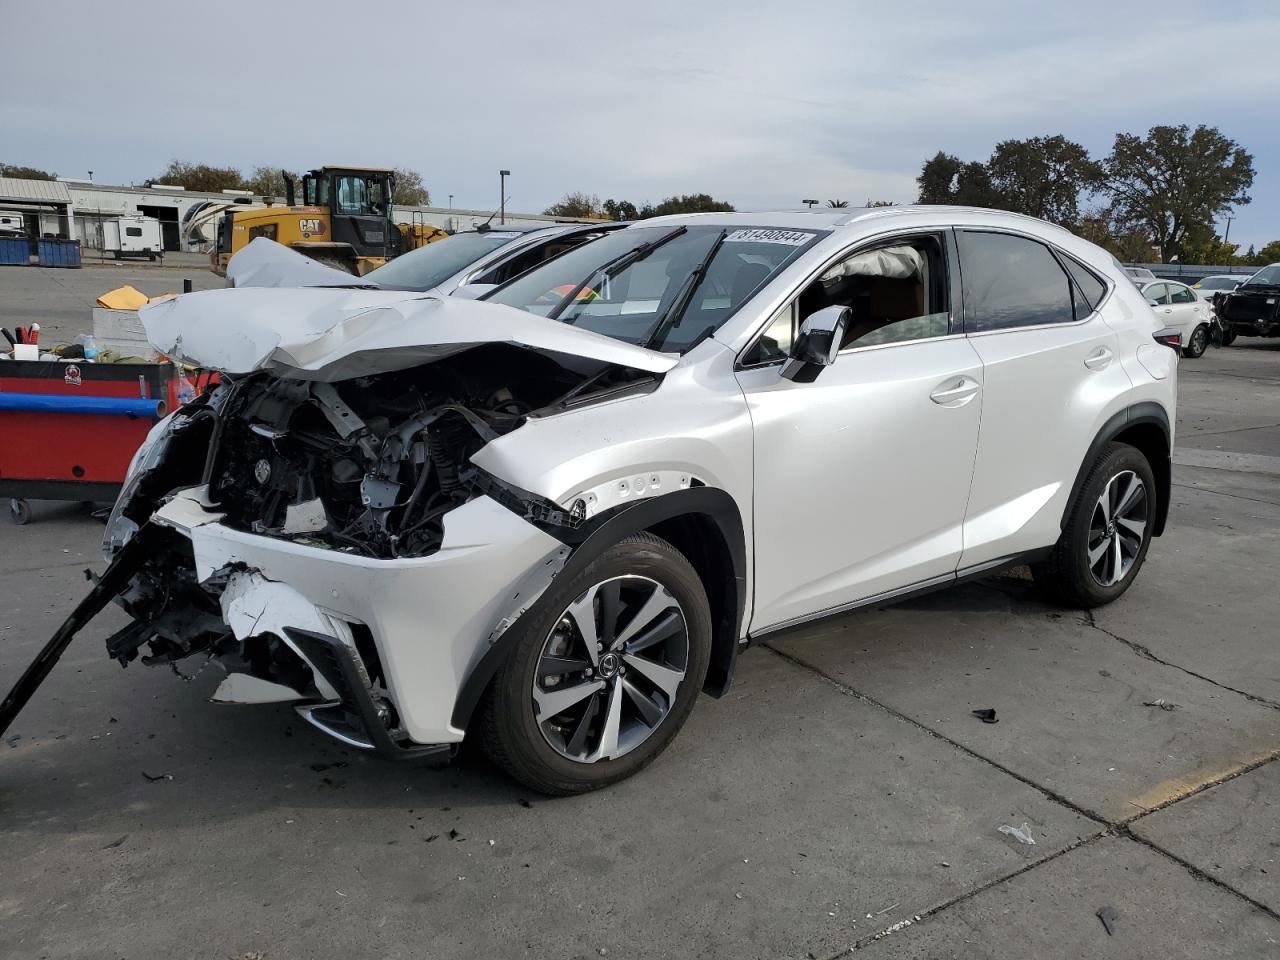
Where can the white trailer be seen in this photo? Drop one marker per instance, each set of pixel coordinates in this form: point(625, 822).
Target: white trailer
point(132, 237)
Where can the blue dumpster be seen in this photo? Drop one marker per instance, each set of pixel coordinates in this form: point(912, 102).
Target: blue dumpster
point(59, 253)
point(14, 251)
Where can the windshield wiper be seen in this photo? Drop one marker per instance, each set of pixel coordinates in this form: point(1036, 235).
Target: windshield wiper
point(680, 302)
point(613, 266)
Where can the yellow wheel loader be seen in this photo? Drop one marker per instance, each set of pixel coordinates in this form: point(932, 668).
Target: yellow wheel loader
point(345, 221)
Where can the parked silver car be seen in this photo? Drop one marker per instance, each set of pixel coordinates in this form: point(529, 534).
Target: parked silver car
point(553, 517)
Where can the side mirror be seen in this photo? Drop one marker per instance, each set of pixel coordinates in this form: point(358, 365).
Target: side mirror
point(817, 344)
point(1153, 303)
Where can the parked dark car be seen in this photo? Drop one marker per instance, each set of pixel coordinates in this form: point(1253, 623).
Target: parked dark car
point(1253, 308)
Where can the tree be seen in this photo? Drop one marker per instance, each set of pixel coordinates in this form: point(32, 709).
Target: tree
point(879, 203)
point(837, 204)
point(687, 203)
point(1043, 177)
point(410, 190)
point(578, 205)
point(947, 179)
point(1176, 179)
point(268, 181)
point(1268, 254)
point(621, 210)
point(201, 177)
point(25, 173)
point(937, 178)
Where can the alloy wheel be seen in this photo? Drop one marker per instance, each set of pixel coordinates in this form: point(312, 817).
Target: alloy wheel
point(1198, 341)
point(1117, 527)
point(610, 669)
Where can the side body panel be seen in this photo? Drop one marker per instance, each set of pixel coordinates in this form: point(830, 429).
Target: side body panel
point(861, 478)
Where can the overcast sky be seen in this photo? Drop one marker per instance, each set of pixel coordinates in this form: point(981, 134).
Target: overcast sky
point(759, 103)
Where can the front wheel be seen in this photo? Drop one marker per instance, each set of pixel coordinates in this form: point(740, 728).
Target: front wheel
point(604, 671)
point(1196, 345)
point(1105, 541)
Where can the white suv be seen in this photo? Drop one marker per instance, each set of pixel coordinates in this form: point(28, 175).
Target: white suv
point(553, 517)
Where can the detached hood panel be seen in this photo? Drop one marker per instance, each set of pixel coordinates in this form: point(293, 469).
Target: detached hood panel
point(318, 334)
point(265, 263)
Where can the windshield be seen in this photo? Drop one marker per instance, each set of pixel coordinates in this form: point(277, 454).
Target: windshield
point(1267, 276)
point(435, 263)
point(1217, 283)
point(664, 287)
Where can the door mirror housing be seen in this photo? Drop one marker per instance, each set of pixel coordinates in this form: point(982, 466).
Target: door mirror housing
point(1153, 303)
point(817, 344)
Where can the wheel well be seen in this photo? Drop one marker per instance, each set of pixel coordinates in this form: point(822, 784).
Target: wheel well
point(1150, 439)
point(700, 539)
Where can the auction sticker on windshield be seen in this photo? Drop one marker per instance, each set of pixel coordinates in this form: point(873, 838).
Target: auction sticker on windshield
point(791, 238)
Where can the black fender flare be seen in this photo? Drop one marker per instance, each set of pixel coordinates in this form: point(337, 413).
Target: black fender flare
point(1148, 411)
point(602, 532)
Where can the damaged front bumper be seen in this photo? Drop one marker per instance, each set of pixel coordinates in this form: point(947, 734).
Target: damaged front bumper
point(388, 643)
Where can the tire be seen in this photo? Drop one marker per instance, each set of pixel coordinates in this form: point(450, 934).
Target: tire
point(553, 752)
point(1197, 343)
point(1228, 336)
point(1068, 575)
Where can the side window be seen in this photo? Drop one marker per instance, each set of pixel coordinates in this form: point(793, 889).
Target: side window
point(1011, 282)
point(535, 256)
point(1089, 289)
point(897, 292)
point(1180, 294)
point(1157, 292)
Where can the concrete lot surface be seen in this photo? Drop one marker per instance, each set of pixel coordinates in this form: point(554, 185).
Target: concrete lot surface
point(841, 790)
point(62, 301)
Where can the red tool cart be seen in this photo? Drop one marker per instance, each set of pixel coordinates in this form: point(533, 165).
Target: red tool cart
point(69, 430)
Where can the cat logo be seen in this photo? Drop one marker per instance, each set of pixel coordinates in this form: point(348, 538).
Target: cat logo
point(309, 226)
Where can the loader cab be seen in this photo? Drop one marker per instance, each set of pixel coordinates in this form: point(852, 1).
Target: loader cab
point(359, 203)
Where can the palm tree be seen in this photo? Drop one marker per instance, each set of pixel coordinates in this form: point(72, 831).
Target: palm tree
point(837, 204)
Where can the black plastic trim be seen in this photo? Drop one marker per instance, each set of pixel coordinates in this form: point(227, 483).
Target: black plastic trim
point(333, 658)
point(603, 531)
point(1148, 411)
point(988, 569)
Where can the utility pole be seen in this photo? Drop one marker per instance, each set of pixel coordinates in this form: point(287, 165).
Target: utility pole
point(502, 195)
point(1227, 235)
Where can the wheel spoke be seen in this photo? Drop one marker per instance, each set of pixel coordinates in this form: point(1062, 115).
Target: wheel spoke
point(577, 743)
point(608, 745)
point(658, 601)
point(558, 700)
point(583, 612)
point(550, 666)
point(1104, 501)
point(664, 628)
point(610, 604)
point(1096, 553)
point(1117, 558)
point(664, 678)
point(1135, 527)
point(1130, 497)
point(650, 711)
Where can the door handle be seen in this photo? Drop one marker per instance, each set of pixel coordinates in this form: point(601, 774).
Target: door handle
point(1098, 359)
point(1168, 309)
point(955, 392)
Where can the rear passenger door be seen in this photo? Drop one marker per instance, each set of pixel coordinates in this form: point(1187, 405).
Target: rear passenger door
point(1189, 311)
point(1051, 374)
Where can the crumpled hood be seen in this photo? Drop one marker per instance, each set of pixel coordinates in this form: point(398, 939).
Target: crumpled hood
point(319, 334)
point(265, 263)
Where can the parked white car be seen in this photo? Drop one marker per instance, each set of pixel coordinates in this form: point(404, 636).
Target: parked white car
point(1177, 305)
point(552, 517)
point(1206, 287)
point(476, 259)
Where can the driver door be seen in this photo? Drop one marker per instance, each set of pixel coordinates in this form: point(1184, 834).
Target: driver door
point(862, 476)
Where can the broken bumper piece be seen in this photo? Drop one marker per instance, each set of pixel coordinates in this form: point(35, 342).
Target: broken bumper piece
point(389, 643)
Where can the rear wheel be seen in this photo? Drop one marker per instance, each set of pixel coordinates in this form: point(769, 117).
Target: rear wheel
point(604, 672)
point(1197, 343)
point(1107, 534)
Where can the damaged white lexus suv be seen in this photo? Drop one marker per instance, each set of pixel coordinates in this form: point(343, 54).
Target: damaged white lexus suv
point(550, 518)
